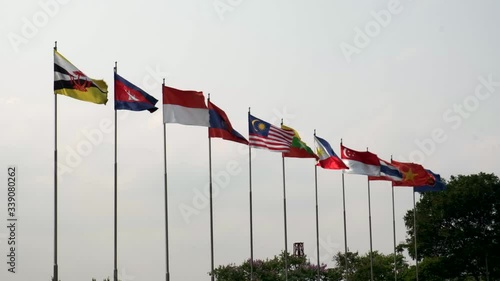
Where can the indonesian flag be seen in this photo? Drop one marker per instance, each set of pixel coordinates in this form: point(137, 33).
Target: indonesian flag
point(360, 162)
point(185, 107)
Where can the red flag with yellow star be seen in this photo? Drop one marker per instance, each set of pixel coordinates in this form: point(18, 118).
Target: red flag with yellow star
point(413, 174)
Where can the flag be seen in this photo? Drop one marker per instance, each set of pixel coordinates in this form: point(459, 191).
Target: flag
point(266, 136)
point(70, 81)
point(413, 174)
point(299, 149)
point(185, 107)
point(220, 127)
point(327, 157)
point(360, 162)
point(387, 172)
point(130, 97)
point(439, 185)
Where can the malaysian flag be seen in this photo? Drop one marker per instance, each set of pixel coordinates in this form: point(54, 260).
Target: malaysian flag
point(266, 136)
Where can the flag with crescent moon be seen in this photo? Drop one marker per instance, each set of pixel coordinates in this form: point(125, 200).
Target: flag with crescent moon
point(70, 81)
point(266, 136)
point(360, 162)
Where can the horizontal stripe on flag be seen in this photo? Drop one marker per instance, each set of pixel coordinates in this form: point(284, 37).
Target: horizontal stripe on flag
point(192, 99)
point(173, 113)
point(360, 168)
point(63, 84)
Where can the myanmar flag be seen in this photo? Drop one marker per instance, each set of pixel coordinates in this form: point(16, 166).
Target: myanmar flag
point(299, 149)
point(70, 81)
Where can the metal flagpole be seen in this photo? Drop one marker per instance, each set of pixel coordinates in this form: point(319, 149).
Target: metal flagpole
point(251, 210)
point(56, 269)
point(284, 216)
point(394, 231)
point(415, 233)
point(394, 234)
point(115, 270)
point(211, 205)
point(345, 224)
point(167, 275)
point(370, 226)
point(317, 215)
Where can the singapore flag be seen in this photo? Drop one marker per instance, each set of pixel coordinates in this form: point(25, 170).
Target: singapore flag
point(360, 162)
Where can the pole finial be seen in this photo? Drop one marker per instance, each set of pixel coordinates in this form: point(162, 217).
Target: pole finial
point(314, 132)
point(248, 110)
point(340, 141)
point(208, 96)
point(116, 66)
point(55, 45)
point(163, 81)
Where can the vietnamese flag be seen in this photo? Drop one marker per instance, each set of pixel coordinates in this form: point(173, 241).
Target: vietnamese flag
point(413, 175)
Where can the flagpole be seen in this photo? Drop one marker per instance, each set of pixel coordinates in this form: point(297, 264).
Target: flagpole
point(394, 232)
point(56, 269)
point(370, 226)
point(284, 215)
point(345, 224)
point(211, 204)
point(167, 274)
point(115, 270)
point(415, 233)
point(251, 210)
point(317, 214)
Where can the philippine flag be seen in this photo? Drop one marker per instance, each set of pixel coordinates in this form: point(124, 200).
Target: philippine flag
point(327, 157)
point(185, 107)
point(360, 162)
point(130, 97)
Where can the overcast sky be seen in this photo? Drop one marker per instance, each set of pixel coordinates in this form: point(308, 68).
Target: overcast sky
point(413, 79)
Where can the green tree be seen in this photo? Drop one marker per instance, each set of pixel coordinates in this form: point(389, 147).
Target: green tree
point(300, 269)
point(359, 266)
point(458, 230)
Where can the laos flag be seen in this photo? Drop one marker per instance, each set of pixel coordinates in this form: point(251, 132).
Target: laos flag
point(130, 97)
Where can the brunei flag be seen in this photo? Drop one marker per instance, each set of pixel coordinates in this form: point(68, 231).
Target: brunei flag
point(71, 82)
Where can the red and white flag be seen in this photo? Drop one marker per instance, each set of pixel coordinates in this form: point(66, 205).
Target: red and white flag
point(360, 162)
point(185, 107)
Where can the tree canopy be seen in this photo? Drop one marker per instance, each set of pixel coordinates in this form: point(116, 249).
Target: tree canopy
point(458, 239)
point(458, 230)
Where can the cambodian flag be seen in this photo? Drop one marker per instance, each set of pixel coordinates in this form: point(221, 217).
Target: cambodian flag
point(130, 97)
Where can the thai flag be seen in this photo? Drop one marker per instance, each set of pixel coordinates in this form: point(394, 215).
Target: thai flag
point(387, 172)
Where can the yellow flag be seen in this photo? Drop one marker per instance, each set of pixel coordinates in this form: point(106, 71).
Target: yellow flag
point(71, 82)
